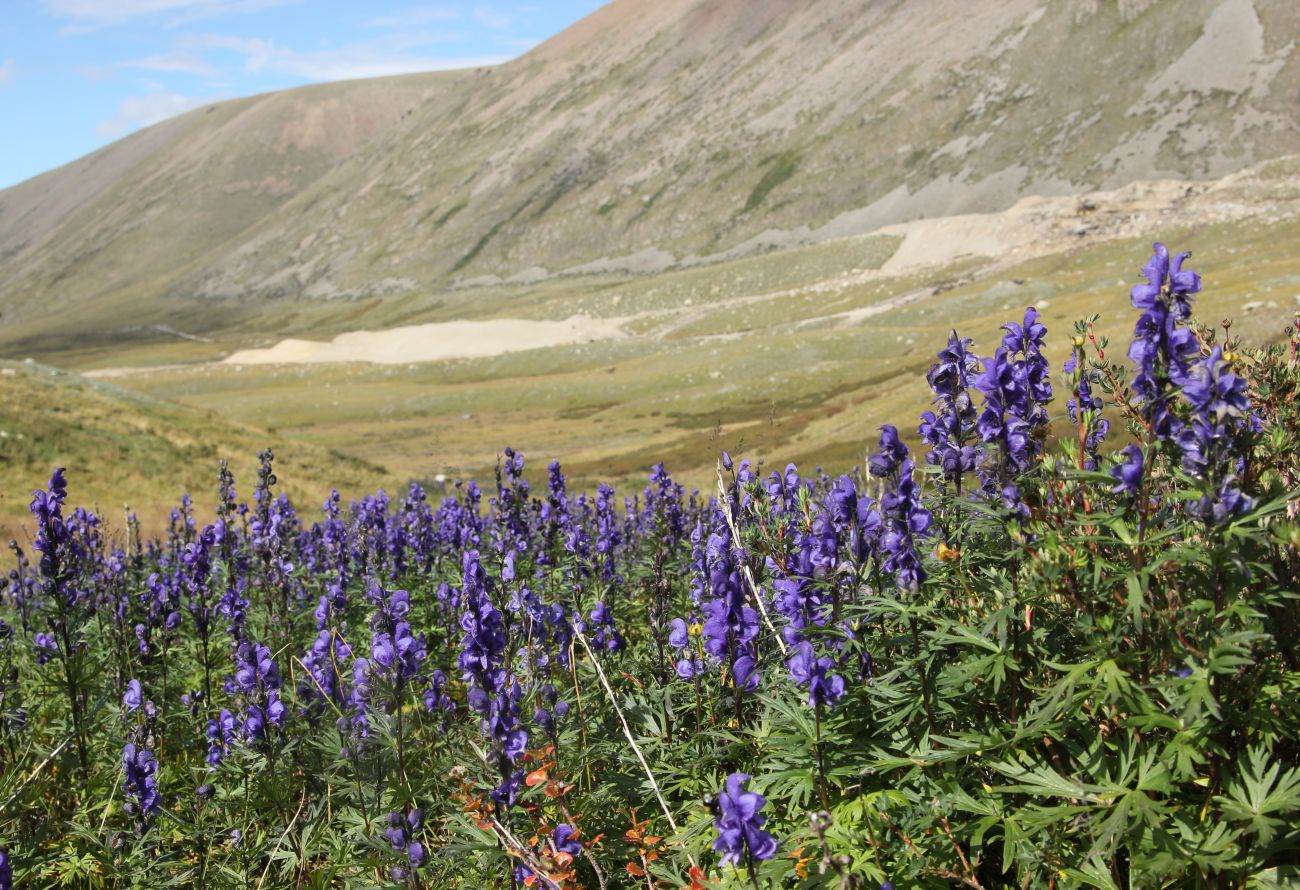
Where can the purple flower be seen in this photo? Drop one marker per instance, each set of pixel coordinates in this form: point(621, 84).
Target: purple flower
point(258, 679)
point(1213, 391)
point(741, 837)
point(824, 688)
point(1128, 474)
point(563, 838)
point(890, 452)
point(730, 625)
point(401, 833)
point(1016, 388)
point(605, 633)
point(220, 732)
point(45, 646)
point(436, 697)
point(904, 520)
point(134, 695)
point(140, 784)
point(1162, 348)
point(1211, 443)
point(1084, 408)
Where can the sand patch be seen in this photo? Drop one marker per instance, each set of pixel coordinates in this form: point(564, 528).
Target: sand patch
point(434, 342)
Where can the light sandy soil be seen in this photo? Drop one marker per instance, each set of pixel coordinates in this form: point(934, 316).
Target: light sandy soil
point(433, 342)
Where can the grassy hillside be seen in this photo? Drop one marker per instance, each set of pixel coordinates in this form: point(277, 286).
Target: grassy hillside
point(798, 356)
point(120, 445)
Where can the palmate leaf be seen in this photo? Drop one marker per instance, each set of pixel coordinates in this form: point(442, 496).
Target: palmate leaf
point(1092, 873)
point(1043, 781)
point(1260, 794)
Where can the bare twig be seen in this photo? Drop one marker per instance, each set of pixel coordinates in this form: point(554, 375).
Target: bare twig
point(724, 504)
point(519, 850)
point(288, 828)
point(40, 766)
point(627, 733)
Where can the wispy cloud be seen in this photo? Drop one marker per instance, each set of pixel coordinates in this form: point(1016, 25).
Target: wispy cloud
point(179, 63)
point(492, 18)
point(141, 111)
point(412, 17)
point(371, 58)
point(87, 14)
point(7, 69)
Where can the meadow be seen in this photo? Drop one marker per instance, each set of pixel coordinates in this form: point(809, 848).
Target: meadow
point(1051, 644)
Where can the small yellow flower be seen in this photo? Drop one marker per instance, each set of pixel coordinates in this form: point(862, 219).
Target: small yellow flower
point(695, 629)
point(946, 553)
point(1078, 341)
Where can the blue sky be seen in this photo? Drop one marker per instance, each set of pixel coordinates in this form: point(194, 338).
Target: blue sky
point(77, 74)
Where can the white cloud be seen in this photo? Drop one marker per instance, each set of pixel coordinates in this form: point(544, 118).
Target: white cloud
point(412, 17)
point(179, 63)
point(6, 73)
point(97, 13)
point(140, 111)
point(492, 18)
point(370, 58)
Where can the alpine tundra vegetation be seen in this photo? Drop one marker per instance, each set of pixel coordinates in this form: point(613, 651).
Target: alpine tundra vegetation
point(1060, 648)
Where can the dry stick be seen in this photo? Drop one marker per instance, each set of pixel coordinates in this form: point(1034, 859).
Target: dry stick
point(278, 843)
point(724, 503)
point(40, 766)
point(627, 733)
point(503, 834)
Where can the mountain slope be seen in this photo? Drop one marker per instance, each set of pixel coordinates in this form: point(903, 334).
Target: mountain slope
point(645, 135)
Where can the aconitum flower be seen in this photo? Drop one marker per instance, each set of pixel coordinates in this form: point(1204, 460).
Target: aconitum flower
point(730, 625)
point(564, 840)
point(400, 656)
point(46, 647)
point(436, 698)
point(903, 518)
point(401, 833)
point(323, 682)
point(690, 660)
point(483, 644)
point(1128, 473)
point(258, 678)
point(890, 452)
point(949, 431)
point(605, 634)
point(1220, 413)
point(220, 733)
point(1162, 348)
point(855, 519)
point(1016, 386)
point(824, 687)
point(1213, 391)
point(798, 598)
point(140, 784)
point(741, 838)
point(1084, 408)
point(134, 695)
point(6, 870)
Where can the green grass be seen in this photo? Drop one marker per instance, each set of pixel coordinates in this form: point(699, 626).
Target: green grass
point(753, 355)
point(120, 445)
point(779, 169)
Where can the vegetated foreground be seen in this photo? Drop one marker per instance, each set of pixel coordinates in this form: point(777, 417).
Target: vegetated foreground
point(1015, 661)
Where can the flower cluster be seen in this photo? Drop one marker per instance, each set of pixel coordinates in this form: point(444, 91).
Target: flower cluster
point(741, 838)
point(402, 832)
